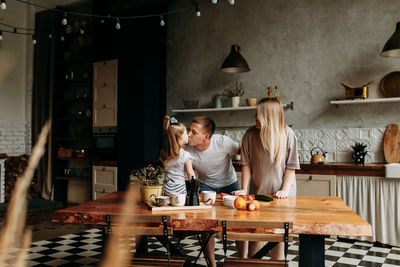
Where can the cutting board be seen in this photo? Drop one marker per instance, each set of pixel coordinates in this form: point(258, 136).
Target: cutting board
point(390, 84)
point(169, 208)
point(391, 144)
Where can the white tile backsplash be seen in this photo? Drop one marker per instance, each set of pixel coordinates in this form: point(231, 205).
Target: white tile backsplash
point(335, 142)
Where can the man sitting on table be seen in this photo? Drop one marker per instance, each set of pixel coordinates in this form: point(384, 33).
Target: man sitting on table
point(211, 155)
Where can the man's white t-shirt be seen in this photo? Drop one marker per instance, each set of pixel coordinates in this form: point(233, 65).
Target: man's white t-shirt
point(214, 165)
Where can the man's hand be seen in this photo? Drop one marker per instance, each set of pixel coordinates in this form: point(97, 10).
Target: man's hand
point(281, 194)
point(240, 192)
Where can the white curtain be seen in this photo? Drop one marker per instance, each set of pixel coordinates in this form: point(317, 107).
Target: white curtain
point(377, 201)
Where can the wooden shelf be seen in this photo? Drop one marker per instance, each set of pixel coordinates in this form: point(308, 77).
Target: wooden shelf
point(61, 158)
point(366, 101)
point(290, 105)
point(73, 138)
point(71, 178)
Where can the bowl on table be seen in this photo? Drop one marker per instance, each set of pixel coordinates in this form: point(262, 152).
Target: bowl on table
point(229, 201)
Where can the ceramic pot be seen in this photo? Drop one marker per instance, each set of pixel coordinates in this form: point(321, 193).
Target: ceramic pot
point(147, 191)
point(217, 101)
point(235, 101)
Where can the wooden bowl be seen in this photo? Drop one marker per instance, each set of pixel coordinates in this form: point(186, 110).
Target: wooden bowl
point(251, 101)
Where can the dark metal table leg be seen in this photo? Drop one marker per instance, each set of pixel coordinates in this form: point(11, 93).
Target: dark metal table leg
point(312, 251)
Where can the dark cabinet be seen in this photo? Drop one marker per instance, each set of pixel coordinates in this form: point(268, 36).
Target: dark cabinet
point(139, 51)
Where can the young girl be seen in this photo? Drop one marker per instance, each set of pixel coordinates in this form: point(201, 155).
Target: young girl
point(269, 158)
point(176, 161)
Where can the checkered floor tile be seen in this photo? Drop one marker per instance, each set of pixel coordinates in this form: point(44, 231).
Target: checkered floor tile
point(85, 249)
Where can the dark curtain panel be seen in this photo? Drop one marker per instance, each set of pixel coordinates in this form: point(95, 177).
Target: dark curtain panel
point(45, 24)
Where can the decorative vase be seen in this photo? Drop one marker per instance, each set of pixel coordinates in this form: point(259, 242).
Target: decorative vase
point(235, 101)
point(146, 191)
point(217, 101)
point(359, 157)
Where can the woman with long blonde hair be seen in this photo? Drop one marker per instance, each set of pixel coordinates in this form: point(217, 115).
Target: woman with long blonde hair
point(176, 161)
point(269, 158)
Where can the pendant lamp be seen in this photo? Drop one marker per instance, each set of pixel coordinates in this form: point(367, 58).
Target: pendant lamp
point(392, 46)
point(235, 63)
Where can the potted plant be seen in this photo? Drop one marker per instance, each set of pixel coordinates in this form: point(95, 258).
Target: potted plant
point(359, 152)
point(235, 93)
point(151, 179)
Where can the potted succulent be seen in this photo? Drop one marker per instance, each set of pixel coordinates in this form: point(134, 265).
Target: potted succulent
point(151, 179)
point(359, 152)
point(235, 93)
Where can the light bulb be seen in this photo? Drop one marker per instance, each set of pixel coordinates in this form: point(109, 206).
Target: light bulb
point(102, 21)
point(232, 2)
point(117, 25)
point(1, 36)
point(3, 4)
point(64, 20)
point(62, 38)
point(198, 13)
point(82, 31)
point(50, 36)
point(214, 1)
point(162, 22)
point(34, 40)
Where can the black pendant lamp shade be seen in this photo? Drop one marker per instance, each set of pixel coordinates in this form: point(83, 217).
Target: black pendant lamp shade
point(392, 46)
point(235, 63)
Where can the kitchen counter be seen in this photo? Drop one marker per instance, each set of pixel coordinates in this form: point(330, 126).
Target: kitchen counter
point(337, 168)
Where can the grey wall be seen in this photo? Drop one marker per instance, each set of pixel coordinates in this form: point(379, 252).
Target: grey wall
point(306, 46)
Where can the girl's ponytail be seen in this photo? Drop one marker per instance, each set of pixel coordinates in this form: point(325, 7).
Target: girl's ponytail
point(166, 123)
point(173, 131)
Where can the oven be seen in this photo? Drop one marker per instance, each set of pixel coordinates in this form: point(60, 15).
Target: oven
point(105, 143)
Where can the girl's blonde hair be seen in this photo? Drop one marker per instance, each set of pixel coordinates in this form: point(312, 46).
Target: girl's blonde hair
point(273, 128)
point(172, 140)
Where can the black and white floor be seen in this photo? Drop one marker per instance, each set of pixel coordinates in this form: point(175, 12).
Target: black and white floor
point(85, 249)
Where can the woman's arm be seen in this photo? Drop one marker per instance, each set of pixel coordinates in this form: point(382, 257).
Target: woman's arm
point(288, 178)
point(189, 169)
point(246, 175)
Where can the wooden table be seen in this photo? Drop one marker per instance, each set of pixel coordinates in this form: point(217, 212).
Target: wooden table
point(313, 218)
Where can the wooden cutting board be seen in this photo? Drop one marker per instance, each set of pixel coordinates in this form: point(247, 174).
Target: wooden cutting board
point(391, 144)
point(390, 84)
point(165, 208)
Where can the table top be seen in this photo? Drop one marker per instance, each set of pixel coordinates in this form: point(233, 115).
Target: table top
point(310, 215)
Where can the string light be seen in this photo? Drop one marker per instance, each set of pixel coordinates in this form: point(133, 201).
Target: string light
point(214, 1)
point(117, 25)
point(1, 35)
point(64, 20)
point(162, 22)
point(232, 2)
point(3, 4)
point(62, 38)
point(50, 36)
point(198, 12)
point(34, 41)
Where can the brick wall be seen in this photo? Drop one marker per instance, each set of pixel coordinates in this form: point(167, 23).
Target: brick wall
point(13, 138)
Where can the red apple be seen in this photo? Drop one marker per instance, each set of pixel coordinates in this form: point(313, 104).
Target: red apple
point(251, 206)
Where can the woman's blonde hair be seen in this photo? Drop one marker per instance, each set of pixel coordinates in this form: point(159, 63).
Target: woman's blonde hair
point(172, 139)
point(273, 128)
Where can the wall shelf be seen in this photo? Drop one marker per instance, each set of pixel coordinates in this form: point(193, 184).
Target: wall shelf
point(366, 101)
point(290, 105)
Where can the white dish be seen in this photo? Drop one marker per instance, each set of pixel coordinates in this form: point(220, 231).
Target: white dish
point(229, 201)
